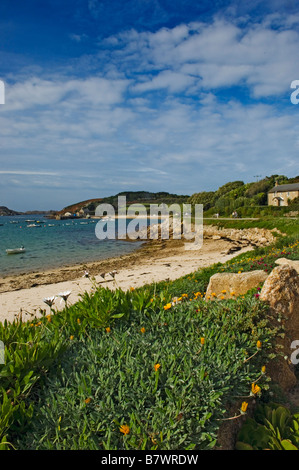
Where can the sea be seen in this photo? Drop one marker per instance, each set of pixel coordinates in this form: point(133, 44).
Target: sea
point(55, 243)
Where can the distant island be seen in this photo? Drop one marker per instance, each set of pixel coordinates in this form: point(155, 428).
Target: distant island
point(4, 211)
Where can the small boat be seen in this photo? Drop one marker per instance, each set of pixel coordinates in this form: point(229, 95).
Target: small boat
point(14, 251)
point(33, 225)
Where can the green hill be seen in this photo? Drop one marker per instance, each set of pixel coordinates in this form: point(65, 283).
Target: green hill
point(132, 197)
point(248, 199)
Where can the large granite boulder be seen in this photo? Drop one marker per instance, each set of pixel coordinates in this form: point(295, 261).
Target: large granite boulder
point(229, 285)
point(281, 292)
point(293, 263)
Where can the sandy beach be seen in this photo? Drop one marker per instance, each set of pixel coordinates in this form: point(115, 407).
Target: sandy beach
point(155, 261)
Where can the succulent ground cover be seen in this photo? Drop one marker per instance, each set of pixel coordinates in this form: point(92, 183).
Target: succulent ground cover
point(153, 368)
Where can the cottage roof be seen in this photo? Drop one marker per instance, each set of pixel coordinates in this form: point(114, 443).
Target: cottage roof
point(285, 187)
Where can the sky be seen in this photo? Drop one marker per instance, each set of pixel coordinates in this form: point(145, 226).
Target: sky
point(183, 96)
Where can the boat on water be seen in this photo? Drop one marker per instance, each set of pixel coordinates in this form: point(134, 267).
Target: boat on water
point(14, 251)
point(33, 225)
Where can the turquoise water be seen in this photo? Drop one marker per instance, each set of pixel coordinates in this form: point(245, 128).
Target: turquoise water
point(55, 243)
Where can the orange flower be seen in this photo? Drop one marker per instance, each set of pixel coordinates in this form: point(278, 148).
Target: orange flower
point(72, 337)
point(202, 341)
point(87, 400)
point(244, 407)
point(255, 389)
point(108, 329)
point(157, 366)
point(124, 429)
point(259, 344)
point(142, 330)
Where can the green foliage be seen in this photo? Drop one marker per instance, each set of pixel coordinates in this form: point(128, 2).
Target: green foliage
point(108, 378)
point(206, 198)
point(29, 351)
point(250, 199)
point(273, 427)
point(73, 378)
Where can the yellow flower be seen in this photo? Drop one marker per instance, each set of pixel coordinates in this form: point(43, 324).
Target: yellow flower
point(202, 340)
point(87, 400)
point(259, 344)
point(132, 288)
point(78, 321)
point(244, 407)
point(108, 329)
point(255, 389)
point(124, 429)
point(223, 291)
point(157, 366)
point(71, 337)
point(49, 318)
point(263, 369)
point(184, 295)
point(142, 330)
point(167, 306)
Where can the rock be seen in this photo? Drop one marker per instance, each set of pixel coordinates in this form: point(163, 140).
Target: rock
point(251, 236)
point(226, 285)
point(281, 292)
point(289, 262)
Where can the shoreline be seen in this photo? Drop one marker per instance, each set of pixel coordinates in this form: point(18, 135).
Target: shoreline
point(155, 261)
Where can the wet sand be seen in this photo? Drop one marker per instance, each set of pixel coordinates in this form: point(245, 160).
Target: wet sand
point(155, 261)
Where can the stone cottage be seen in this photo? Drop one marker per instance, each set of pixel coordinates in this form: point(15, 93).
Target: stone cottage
point(281, 194)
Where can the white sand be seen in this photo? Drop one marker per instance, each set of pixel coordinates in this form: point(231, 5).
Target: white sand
point(161, 265)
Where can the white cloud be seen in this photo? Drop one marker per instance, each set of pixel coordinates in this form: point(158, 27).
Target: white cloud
point(219, 54)
point(29, 173)
point(40, 92)
point(155, 109)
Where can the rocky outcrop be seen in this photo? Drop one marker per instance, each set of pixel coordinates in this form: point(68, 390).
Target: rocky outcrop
point(281, 292)
point(230, 285)
point(240, 238)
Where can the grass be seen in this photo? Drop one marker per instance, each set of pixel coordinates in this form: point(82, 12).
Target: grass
point(153, 368)
point(287, 226)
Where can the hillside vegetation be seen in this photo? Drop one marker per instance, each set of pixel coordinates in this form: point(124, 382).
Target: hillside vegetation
point(248, 199)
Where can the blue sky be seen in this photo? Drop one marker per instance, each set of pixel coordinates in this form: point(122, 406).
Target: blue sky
point(180, 96)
